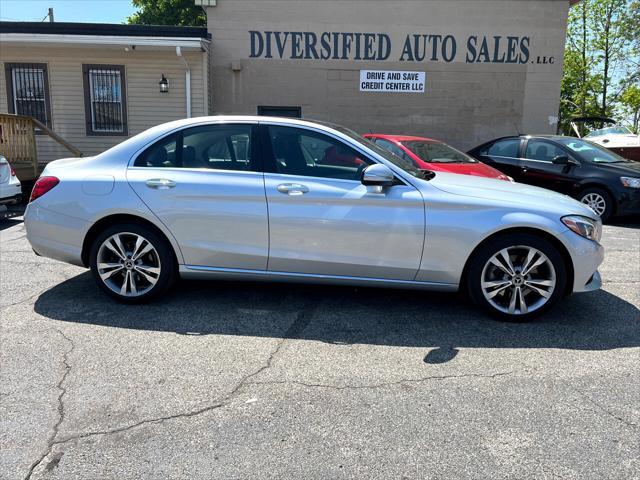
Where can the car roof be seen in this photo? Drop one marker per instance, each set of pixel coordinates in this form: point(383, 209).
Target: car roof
point(526, 136)
point(401, 138)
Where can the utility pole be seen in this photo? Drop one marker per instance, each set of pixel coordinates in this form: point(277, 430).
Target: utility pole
point(50, 15)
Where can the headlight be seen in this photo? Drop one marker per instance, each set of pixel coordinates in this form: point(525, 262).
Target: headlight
point(630, 182)
point(583, 226)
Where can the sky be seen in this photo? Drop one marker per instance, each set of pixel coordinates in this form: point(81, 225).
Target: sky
point(94, 11)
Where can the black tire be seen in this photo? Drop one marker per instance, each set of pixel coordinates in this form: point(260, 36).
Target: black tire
point(167, 262)
point(606, 196)
point(481, 257)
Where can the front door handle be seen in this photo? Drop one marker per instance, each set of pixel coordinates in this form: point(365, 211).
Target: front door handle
point(160, 183)
point(292, 188)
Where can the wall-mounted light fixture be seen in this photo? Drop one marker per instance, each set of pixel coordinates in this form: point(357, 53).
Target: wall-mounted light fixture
point(164, 84)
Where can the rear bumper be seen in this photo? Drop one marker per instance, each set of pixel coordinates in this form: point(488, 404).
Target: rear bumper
point(11, 200)
point(55, 235)
point(10, 193)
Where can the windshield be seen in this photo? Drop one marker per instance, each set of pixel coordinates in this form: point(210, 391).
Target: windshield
point(437, 152)
point(405, 165)
point(591, 152)
point(609, 131)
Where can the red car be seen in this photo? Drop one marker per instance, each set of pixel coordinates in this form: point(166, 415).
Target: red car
point(429, 154)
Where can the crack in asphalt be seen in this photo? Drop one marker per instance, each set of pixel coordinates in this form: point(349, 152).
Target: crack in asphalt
point(63, 390)
point(383, 384)
point(301, 321)
point(605, 410)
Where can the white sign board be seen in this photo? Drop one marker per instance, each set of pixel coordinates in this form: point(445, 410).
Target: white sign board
point(392, 81)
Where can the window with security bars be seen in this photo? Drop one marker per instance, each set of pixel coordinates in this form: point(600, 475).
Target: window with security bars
point(28, 90)
point(105, 99)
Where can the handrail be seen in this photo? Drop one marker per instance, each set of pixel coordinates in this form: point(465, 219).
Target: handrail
point(18, 140)
point(56, 137)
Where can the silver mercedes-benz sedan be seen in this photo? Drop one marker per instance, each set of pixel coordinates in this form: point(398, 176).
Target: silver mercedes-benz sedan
point(261, 198)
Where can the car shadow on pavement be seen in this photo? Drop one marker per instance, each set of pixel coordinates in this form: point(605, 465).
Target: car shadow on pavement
point(343, 315)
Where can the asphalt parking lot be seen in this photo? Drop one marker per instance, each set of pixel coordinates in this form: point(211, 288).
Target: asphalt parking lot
point(245, 380)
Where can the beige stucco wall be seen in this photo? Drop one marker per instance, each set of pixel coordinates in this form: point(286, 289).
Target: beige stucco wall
point(146, 106)
point(464, 103)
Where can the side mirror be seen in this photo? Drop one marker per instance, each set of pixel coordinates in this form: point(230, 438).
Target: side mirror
point(561, 160)
point(378, 175)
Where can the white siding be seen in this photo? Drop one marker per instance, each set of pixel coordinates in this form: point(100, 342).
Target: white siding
point(146, 106)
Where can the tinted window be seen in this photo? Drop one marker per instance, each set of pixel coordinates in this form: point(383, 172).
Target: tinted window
point(542, 151)
point(504, 148)
point(437, 152)
point(303, 152)
point(222, 147)
point(160, 154)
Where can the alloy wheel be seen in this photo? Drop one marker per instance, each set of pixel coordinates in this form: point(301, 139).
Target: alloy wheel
point(128, 264)
point(518, 280)
point(596, 202)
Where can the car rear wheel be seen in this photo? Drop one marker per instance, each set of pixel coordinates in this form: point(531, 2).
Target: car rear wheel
point(132, 263)
point(599, 201)
point(517, 277)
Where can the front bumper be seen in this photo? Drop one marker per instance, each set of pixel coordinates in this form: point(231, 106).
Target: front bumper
point(628, 202)
point(586, 256)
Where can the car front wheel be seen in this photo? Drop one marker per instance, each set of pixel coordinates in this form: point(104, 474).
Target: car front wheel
point(132, 263)
point(517, 277)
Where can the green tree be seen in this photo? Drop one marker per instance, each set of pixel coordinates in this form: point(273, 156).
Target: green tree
point(630, 103)
point(167, 12)
point(601, 57)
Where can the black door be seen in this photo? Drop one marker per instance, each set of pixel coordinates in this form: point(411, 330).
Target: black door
point(538, 167)
point(503, 155)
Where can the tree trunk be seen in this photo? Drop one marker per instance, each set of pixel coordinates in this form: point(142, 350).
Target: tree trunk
point(607, 55)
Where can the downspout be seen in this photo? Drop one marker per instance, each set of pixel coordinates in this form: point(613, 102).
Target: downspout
point(187, 80)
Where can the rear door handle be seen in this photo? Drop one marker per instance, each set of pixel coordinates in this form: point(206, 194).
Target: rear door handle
point(292, 188)
point(160, 183)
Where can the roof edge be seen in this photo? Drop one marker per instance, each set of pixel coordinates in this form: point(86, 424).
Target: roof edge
point(104, 29)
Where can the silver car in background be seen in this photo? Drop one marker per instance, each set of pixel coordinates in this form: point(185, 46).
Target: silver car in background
point(259, 198)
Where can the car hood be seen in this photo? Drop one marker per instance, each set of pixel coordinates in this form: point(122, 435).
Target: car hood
point(475, 169)
point(626, 168)
point(508, 193)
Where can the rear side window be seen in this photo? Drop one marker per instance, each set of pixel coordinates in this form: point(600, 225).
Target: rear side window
point(504, 148)
point(219, 147)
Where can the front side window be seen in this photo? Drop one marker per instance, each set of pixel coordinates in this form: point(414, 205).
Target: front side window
point(304, 152)
point(504, 148)
point(434, 152)
point(217, 147)
point(105, 99)
point(28, 90)
point(542, 151)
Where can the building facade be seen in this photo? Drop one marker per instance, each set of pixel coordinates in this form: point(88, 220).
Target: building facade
point(462, 71)
point(98, 84)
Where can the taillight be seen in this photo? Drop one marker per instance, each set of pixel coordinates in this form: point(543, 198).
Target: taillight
point(13, 172)
point(42, 186)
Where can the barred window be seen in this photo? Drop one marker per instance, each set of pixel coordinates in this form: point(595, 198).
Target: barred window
point(105, 100)
point(28, 90)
